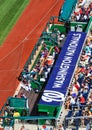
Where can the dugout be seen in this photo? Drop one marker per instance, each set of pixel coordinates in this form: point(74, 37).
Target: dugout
point(56, 88)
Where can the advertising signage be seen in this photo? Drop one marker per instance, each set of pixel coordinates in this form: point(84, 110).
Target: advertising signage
point(62, 73)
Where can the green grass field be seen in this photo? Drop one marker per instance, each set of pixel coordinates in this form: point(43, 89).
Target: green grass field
point(10, 10)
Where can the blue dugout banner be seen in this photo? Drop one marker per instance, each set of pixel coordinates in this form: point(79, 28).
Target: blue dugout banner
point(62, 73)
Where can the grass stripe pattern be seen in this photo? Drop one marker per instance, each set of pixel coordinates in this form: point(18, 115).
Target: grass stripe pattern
point(10, 10)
